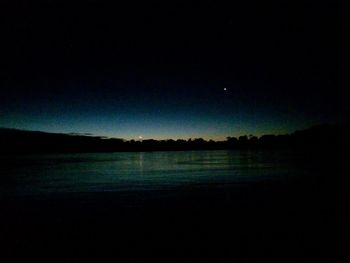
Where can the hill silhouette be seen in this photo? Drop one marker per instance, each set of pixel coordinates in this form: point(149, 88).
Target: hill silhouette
point(21, 141)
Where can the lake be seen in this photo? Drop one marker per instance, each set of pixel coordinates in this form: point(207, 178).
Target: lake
point(104, 172)
point(193, 206)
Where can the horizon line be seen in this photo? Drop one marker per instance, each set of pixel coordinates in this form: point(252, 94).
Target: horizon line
point(142, 138)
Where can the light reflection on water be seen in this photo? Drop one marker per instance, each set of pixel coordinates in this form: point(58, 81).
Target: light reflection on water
point(91, 172)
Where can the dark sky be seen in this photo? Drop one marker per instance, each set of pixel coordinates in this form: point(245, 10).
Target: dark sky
point(173, 70)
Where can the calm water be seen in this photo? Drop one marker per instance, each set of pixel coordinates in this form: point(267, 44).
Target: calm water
point(100, 172)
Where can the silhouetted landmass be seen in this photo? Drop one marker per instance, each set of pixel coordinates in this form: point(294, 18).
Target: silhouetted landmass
point(20, 141)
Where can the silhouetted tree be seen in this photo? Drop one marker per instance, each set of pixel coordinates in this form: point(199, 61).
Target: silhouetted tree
point(243, 138)
point(268, 140)
point(253, 140)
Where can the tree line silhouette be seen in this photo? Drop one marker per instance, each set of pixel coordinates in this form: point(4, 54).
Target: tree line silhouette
point(21, 141)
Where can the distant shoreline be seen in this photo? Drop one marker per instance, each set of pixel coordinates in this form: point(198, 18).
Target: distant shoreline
point(21, 141)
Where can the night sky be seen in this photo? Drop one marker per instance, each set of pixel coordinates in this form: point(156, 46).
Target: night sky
point(174, 70)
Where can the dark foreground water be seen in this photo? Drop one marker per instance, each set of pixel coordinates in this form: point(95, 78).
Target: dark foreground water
point(211, 206)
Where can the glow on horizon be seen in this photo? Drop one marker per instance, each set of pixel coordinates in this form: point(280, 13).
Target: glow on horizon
point(208, 132)
point(164, 127)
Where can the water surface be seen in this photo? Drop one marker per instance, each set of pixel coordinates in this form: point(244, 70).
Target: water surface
point(101, 172)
